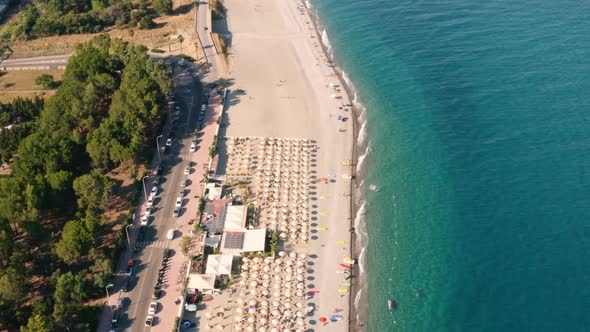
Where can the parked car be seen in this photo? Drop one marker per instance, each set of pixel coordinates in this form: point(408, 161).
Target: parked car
point(148, 211)
point(154, 190)
point(150, 201)
point(184, 183)
point(167, 253)
point(149, 321)
point(178, 202)
point(126, 284)
point(204, 107)
point(153, 308)
point(169, 142)
point(193, 147)
point(156, 294)
point(144, 220)
point(176, 212)
point(187, 170)
point(170, 234)
point(115, 319)
point(181, 193)
point(129, 271)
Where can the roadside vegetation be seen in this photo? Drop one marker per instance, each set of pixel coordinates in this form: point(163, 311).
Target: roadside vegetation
point(64, 17)
point(57, 247)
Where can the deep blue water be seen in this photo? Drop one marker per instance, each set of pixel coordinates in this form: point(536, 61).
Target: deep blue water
point(479, 120)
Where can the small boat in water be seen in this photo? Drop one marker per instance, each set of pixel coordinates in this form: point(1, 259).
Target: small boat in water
point(373, 187)
point(389, 304)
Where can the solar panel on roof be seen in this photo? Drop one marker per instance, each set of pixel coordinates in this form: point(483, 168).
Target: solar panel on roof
point(234, 240)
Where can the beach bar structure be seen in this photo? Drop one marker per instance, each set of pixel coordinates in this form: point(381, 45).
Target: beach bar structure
point(204, 283)
point(219, 264)
point(236, 242)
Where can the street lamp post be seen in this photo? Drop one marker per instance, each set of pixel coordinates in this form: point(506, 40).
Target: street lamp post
point(107, 289)
point(127, 232)
point(158, 146)
point(144, 191)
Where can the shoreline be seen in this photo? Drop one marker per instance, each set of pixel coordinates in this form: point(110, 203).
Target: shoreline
point(357, 314)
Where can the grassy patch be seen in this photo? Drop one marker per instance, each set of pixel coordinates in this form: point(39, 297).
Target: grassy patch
point(157, 50)
point(24, 80)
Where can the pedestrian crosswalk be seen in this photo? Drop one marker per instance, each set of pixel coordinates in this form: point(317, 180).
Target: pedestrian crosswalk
point(168, 157)
point(153, 244)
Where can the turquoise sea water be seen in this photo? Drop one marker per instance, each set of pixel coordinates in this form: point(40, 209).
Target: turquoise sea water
point(479, 122)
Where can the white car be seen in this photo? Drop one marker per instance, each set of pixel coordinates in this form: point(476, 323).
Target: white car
point(169, 142)
point(193, 147)
point(187, 170)
point(150, 201)
point(178, 202)
point(153, 308)
point(148, 211)
point(176, 212)
point(204, 107)
point(149, 321)
point(184, 183)
point(154, 190)
point(144, 220)
point(170, 234)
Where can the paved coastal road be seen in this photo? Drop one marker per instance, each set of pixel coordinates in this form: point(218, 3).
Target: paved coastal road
point(42, 61)
point(152, 246)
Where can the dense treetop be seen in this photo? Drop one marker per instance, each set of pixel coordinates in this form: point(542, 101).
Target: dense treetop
point(106, 112)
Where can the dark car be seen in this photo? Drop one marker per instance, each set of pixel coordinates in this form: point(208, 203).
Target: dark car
point(212, 85)
point(160, 168)
point(167, 253)
point(156, 294)
point(115, 320)
point(200, 118)
point(126, 284)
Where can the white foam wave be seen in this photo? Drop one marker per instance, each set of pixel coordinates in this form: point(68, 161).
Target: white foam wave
point(362, 133)
point(326, 42)
point(361, 160)
point(308, 5)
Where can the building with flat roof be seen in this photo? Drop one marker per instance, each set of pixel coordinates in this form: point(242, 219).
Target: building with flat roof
point(244, 240)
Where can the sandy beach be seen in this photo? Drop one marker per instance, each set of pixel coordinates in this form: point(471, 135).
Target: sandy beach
point(283, 86)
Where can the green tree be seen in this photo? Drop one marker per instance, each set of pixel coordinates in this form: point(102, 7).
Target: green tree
point(146, 22)
point(37, 323)
point(70, 291)
point(162, 6)
point(92, 190)
point(12, 286)
point(75, 242)
point(45, 81)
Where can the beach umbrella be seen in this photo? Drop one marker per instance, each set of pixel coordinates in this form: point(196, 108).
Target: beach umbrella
point(277, 294)
point(245, 259)
point(252, 302)
point(265, 292)
point(265, 284)
point(277, 276)
point(277, 269)
point(299, 293)
point(251, 311)
point(275, 304)
point(238, 327)
point(253, 284)
point(299, 305)
point(219, 327)
point(323, 320)
point(300, 277)
point(264, 311)
point(264, 303)
point(263, 329)
point(300, 286)
point(240, 301)
point(238, 310)
point(287, 305)
point(266, 268)
point(299, 314)
point(251, 319)
point(300, 322)
point(274, 322)
point(287, 313)
point(253, 291)
point(208, 315)
point(275, 329)
point(256, 259)
point(276, 312)
point(293, 254)
point(238, 318)
point(242, 283)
